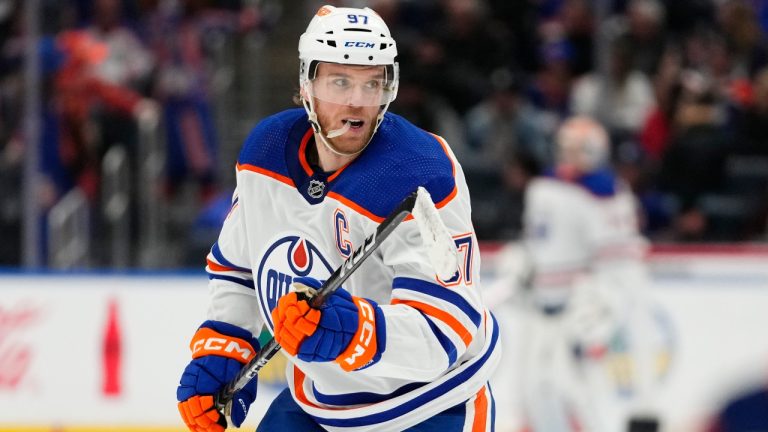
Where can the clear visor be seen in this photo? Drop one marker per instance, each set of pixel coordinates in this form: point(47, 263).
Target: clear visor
point(353, 85)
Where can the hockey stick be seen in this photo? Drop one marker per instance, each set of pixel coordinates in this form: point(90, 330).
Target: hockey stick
point(442, 255)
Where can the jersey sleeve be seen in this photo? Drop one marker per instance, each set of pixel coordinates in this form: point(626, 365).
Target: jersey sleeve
point(431, 324)
point(232, 295)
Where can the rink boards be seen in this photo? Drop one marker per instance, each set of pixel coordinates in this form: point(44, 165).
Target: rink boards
point(87, 352)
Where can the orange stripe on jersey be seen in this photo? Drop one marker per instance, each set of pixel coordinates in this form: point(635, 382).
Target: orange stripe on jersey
point(355, 206)
point(444, 145)
point(305, 164)
point(338, 171)
point(303, 152)
point(378, 219)
point(440, 314)
point(447, 199)
point(481, 411)
point(298, 387)
point(455, 190)
point(266, 172)
point(218, 267)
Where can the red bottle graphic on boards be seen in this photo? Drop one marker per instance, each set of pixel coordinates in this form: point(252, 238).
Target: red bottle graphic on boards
point(112, 351)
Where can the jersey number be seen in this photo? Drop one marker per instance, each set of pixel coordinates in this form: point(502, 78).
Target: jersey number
point(465, 247)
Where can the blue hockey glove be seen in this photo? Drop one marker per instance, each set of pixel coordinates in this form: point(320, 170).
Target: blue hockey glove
point(219, 350)
point(346, 329)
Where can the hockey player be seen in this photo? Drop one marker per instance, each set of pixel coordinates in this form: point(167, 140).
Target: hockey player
point(312, 183)
point(587, 283)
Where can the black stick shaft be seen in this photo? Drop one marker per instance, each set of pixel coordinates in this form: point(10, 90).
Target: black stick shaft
point(252, 368)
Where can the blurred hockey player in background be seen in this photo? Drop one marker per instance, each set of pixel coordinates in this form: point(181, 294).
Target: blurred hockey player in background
point(312, 184)
point(585, 354)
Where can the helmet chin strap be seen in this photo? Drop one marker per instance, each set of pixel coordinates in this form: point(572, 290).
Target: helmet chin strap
point(334, 133)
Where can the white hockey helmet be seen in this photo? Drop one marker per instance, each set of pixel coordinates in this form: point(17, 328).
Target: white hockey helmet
point(582, 144)
point(348, 36)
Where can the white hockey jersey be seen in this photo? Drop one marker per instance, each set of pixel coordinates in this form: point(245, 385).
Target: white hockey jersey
point(577, 227)
point(289, 220)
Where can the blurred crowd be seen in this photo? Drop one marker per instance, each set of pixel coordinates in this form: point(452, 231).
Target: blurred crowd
point(107, 68)
point(681, 86)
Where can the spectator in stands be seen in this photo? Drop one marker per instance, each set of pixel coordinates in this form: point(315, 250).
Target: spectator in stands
point(505, 142)
point(409, 20)
point(518, 171)
point(683, 17)
point(502, 124)
point(11, 158)
point(473, 46)
point(520, 19)
point(428, 111)
point(655, 133)
point(752, 125)
point(745, 39)
point(78, 93)
point(128, 62)
point(693, 164)
point(621, 99)
point(183, 87)
point(646, 34)
point(578, 26)
point(550, 87)
point(11, 143)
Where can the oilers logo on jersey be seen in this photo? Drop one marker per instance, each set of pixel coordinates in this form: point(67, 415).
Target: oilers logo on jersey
point(286, 258)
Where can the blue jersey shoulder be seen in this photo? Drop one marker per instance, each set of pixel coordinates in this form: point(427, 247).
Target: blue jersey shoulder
point(265, 146)
point(400, 158)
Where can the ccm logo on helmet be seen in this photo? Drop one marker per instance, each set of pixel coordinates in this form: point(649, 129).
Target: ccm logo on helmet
point(351, 44)
point(213, 344)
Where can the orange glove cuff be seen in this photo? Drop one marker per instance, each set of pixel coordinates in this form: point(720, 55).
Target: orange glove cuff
point(210, 342)
point(363, 346)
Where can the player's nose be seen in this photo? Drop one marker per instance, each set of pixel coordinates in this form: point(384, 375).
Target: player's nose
point(358, 97)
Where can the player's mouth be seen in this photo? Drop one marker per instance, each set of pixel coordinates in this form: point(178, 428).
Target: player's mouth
point(354, 123)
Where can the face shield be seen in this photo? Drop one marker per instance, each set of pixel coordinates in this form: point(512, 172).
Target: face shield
point(352, 85)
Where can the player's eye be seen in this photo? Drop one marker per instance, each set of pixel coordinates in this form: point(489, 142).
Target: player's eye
point(372, 85)
point(341, 83)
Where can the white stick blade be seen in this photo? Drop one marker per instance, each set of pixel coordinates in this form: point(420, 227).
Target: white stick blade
point(438, 241)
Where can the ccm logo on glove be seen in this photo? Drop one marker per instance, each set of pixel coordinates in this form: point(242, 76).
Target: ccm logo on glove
point(363, 345)
point(207, 342)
